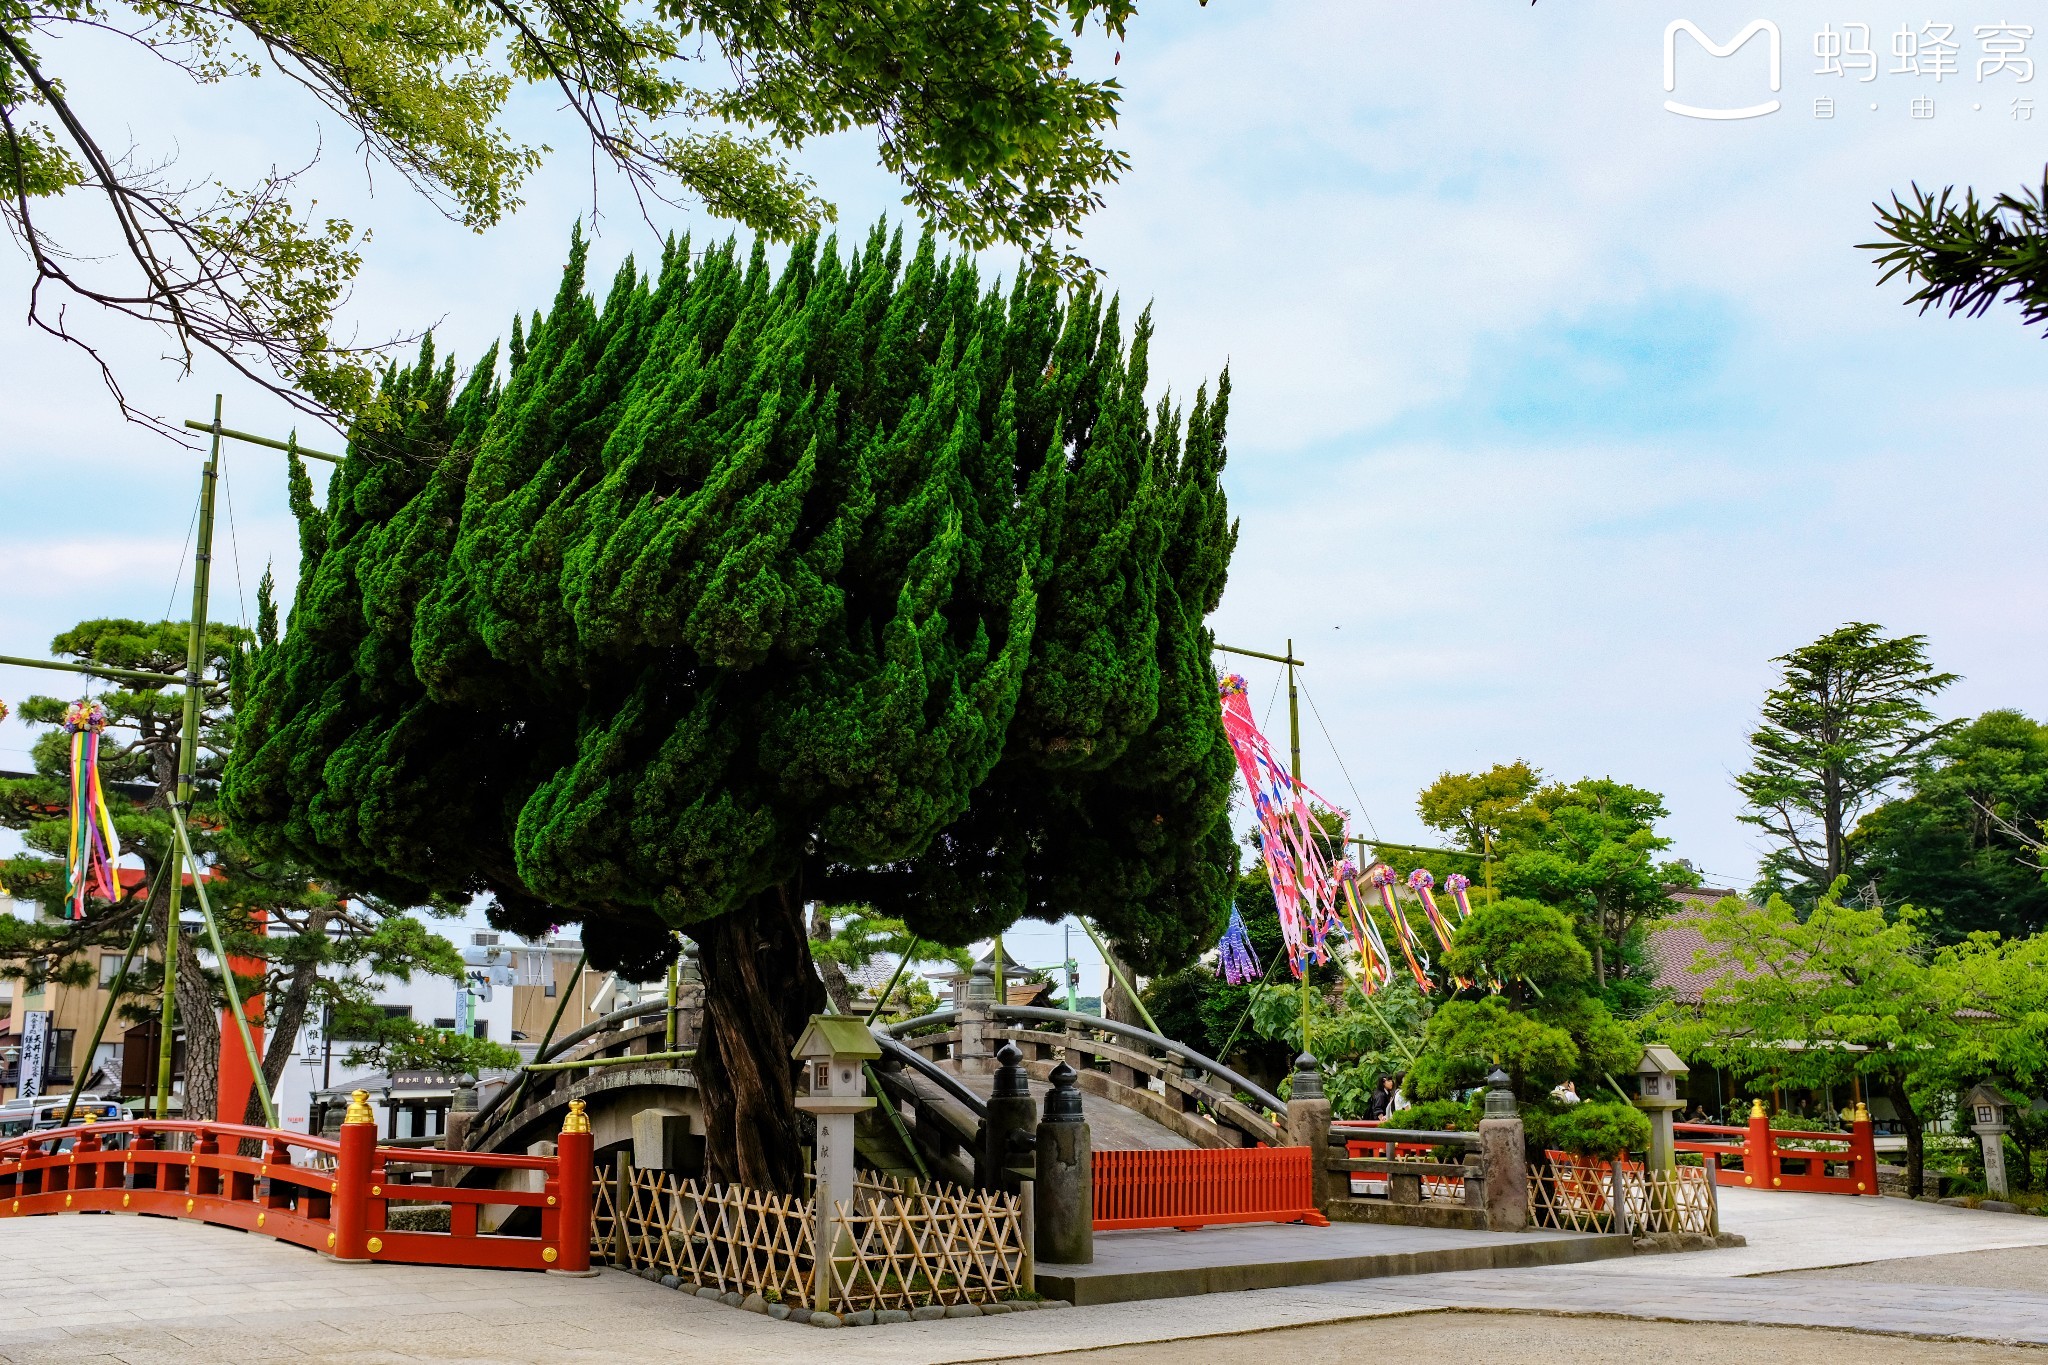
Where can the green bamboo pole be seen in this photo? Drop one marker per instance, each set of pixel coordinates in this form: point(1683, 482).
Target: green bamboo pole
point(669, 1035)
point(1109, 960)
point(95, 670)
point(227, 973)
point(218, 430)
point(895, 977)
point(113, 995)
point(188, 756)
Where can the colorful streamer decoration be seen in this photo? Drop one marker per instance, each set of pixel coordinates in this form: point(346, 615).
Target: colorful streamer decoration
point(1384, 878)
point(1456, 884)
point(1375, 967)
point(1420, 881)
point(95, 847)
point(1303, 889)
point(1240, 963)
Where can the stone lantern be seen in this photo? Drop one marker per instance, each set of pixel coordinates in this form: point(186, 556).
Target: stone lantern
point(834, 1049)
point(1985, 1107)
point(1657, 1095)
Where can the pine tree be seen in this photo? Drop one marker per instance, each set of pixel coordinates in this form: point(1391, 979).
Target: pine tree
point(858, 583)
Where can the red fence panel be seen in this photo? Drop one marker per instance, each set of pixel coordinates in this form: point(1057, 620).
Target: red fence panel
point(1191, 1188)
point(332, 1196)
point(1766, 1158)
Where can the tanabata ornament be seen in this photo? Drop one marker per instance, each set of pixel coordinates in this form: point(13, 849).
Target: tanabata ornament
point(95, 847)
point(1240, 964)
point(1304, 891)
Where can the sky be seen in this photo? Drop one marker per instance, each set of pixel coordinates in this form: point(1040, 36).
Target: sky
point(1556, 414)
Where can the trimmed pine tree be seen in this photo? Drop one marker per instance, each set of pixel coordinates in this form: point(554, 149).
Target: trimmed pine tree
point(857, 582)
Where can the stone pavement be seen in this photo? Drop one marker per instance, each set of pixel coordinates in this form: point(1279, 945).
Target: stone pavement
point(118, 1288)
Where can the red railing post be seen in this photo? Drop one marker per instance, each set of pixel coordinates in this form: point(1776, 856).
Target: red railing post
point(352, 1181)
point(1759, 1150)
point(573, 1173)
point(1863, 1151)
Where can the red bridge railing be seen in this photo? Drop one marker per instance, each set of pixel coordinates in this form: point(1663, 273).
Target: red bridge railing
point(1758, 1156)
point(332, 1196)
point(1193, 1187)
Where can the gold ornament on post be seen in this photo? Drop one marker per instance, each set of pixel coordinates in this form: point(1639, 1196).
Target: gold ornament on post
point(577, 1121)
point(1756, 1109)
point(359, 1108)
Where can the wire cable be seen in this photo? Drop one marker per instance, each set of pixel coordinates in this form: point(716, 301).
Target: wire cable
point(234, 542)
point(1363, 813)
point(178, 569)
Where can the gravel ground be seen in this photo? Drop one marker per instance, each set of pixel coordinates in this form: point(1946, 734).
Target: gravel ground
point(1531, 1339)
point(2022, 1268)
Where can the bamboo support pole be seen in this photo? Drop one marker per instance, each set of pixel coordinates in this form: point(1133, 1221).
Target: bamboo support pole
point(227, 973)
point(1109, 960)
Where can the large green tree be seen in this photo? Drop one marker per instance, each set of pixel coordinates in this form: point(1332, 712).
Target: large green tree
point(863, 583)
point(1812, 998)
point(977, 107)
point(1590, 848)
point(1543, 1026)
point(1847, 722)
point(1967, 840)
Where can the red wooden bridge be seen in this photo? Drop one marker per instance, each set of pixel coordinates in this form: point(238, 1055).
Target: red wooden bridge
point(331, 1195)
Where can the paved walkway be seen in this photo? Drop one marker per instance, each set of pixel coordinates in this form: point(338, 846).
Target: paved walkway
point(117, 1288)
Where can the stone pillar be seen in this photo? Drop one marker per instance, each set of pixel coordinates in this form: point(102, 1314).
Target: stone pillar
point(1065, 1188)
point(1308, 1125)
point(461, 1113)
point(1992, 1136)
point(661, 1140)
point(1006, 1134)
point(1502, 1143)
point(975, 1004)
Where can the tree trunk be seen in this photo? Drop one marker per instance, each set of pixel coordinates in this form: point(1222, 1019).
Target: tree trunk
point(199, 1016)
point(1599, 962)
point(837, 988)
point(1916, 1143)
point(285, 1024)
point(1117, 1006)
point(760, 989)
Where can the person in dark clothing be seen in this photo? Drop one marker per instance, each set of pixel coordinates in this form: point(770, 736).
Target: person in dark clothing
point(1382, 1101)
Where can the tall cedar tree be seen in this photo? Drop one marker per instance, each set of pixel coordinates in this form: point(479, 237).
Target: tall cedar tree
point(859, 583)
point(1846, 724)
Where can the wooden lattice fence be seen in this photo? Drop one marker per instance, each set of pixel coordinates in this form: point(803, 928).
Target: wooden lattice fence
point(1574, 1195)
point(897, 1245)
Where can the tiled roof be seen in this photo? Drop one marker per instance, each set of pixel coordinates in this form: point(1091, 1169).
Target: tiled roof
point(1676, 943)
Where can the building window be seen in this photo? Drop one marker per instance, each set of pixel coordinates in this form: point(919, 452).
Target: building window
point(481, 939)
point(110, 967)
point(483, 1029)
point(444, 1023)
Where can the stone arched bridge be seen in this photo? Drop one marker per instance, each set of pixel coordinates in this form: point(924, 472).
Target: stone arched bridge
point(1140, 1089)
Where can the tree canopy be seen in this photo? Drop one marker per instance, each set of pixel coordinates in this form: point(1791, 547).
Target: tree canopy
point(1963, 254)
point(861, 583)
point(978, 108)
point(1847, 722)
point(1966, 843)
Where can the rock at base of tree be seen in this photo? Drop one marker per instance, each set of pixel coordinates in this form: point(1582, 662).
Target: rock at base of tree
point(962, 1310)
point(892, 1315)
point(754, 1303)
point(778, 1311)
point(827, 1320)
point(1730, 1239)
point(931, 1312)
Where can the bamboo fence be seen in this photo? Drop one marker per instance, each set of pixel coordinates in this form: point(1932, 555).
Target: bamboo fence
point(896, 1245)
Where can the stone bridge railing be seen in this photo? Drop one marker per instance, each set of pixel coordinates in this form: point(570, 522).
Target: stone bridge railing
point(1189, 1094)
